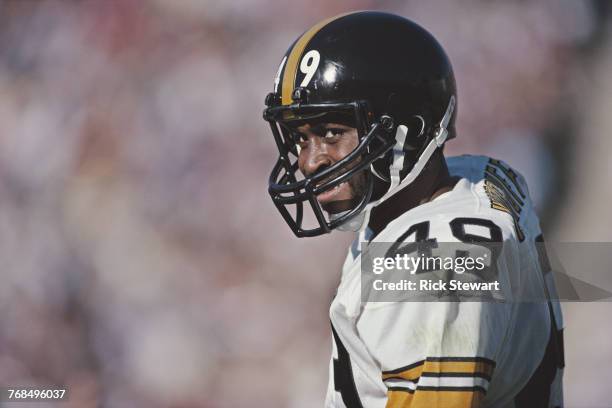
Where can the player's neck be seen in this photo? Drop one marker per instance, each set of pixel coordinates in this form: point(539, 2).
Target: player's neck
point(433, 181)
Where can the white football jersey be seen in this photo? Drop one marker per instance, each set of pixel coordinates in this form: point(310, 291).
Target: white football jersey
point(454, 354)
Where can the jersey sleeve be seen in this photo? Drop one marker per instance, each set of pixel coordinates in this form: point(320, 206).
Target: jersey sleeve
point(435, 354)
point(439, 354)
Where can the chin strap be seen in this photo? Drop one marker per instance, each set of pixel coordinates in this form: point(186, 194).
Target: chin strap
point(352, 225)
point(360, 221)
point(398, 156)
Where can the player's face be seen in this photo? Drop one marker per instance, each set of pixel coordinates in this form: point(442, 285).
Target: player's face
point(322, 145)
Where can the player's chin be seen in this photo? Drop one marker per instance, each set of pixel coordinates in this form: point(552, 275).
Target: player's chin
point(338, 199)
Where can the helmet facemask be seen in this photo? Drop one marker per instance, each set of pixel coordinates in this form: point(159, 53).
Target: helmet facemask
point(292, 191)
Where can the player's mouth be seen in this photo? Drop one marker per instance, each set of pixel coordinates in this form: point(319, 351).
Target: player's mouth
point(339, 198)
point(334, 193)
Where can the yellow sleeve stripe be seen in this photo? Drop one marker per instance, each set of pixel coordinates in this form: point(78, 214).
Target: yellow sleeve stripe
point(475, 366)
point(435, 399)
point(399, 399)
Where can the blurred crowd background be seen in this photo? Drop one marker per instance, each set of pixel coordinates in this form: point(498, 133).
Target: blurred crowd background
point(142, 262)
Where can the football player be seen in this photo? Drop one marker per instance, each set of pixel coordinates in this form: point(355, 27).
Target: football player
point(362, 106)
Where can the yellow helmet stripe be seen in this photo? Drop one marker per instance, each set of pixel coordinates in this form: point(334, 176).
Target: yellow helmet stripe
point(295, 55)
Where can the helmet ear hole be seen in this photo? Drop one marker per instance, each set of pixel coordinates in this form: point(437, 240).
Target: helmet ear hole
point(380, 168)
point(416, 133)
point(414, 143)
point(422, 122)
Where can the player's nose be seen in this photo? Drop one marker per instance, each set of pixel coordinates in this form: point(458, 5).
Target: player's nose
point(315, 159)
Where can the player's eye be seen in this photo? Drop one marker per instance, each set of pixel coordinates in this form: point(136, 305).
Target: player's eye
point(334, 133)
point(299, 139)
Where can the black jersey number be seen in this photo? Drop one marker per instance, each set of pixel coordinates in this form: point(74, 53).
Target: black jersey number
point(492, 241)
point(422, 242)
point(458, 229)
point(344, 382)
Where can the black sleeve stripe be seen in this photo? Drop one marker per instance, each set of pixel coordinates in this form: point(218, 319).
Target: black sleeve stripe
point(414, 380)
point(445, 374)
point(459, 389)
point(470, 389)
point(442, 359)
point(408, 367)
point(463, 359)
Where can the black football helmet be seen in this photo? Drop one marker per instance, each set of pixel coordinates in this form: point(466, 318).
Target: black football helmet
point(382, 74)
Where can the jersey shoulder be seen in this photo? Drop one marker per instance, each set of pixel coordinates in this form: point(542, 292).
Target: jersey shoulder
point(501, 189)
point(489, 193)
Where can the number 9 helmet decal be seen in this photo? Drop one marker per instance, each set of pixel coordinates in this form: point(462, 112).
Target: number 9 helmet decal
point(380, 73)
